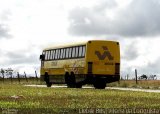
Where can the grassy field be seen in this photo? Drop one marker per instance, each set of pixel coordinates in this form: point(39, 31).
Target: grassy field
point(58, 100)
point(145, 84)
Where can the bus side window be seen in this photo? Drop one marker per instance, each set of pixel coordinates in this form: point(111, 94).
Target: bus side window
point(76, 52)
point(64, 51)
point(60, 53)
point(67, 52)
point(53, 55)
point(70, 52)
point(61, 56)
point(46, 55)
point(84, 51)
point(48, 58)
point(80, 51)
point(56, 53)
point(73, 52)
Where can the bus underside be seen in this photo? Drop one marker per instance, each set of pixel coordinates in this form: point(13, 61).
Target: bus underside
point(78, 80)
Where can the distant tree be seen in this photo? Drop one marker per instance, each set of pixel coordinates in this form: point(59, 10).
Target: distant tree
point(143, 77)
point(9, 72)
point(2, 72)
point(153, 77)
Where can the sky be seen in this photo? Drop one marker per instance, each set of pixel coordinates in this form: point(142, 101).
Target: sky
point(27, 26)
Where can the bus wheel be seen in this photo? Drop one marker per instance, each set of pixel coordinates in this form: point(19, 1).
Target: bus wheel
point(46, 79)
point(99, 83)
point(49, 84)
point(78, 85)
point(70, 80)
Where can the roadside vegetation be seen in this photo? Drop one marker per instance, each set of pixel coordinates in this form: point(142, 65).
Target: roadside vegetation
point(142, 84)
point(22, 98)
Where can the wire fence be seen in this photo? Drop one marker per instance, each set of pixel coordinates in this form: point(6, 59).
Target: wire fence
point(19, 78)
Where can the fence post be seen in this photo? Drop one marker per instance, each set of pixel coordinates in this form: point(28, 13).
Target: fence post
point(25, 77)
point(18, 77)
point(3, 77)
point(136, 76)
point(36, 75)
point(2, 71)
point(11, 78)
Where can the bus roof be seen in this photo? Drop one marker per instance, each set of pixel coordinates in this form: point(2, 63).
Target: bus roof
point(64, 45)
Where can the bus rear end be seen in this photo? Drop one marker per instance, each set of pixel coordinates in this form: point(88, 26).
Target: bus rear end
point(103, 62)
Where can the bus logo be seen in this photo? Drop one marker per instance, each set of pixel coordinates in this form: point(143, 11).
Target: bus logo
point(105, 54)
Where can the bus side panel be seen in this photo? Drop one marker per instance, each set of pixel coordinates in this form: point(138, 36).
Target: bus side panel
point(57, 69)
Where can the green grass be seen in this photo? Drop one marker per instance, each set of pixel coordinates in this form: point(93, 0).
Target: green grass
point(145, 84)
point(22, 81)
point(56, 99)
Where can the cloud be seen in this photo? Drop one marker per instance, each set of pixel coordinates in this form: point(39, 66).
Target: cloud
point(139, 18)
point(4, 31)
point(85, 21)
point(150, 68)
point(4, 28)
point(104, 4)
point(19, 57)
point(130, 52)
point(5, 15)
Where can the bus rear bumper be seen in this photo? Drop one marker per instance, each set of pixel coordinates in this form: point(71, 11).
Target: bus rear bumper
point(107, 78)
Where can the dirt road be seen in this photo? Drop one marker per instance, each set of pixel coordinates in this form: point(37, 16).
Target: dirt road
point(114, 88)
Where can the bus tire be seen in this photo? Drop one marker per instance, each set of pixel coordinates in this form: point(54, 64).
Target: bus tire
point(49, 84)
point(46, 79)
point(78, 85)
point(99, 83)
point(70, 80)
point(66, 76)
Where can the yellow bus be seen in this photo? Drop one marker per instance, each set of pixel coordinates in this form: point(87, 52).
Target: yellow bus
point(94, 62)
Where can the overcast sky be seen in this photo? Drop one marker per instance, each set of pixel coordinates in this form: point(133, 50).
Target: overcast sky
point(27, 26)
